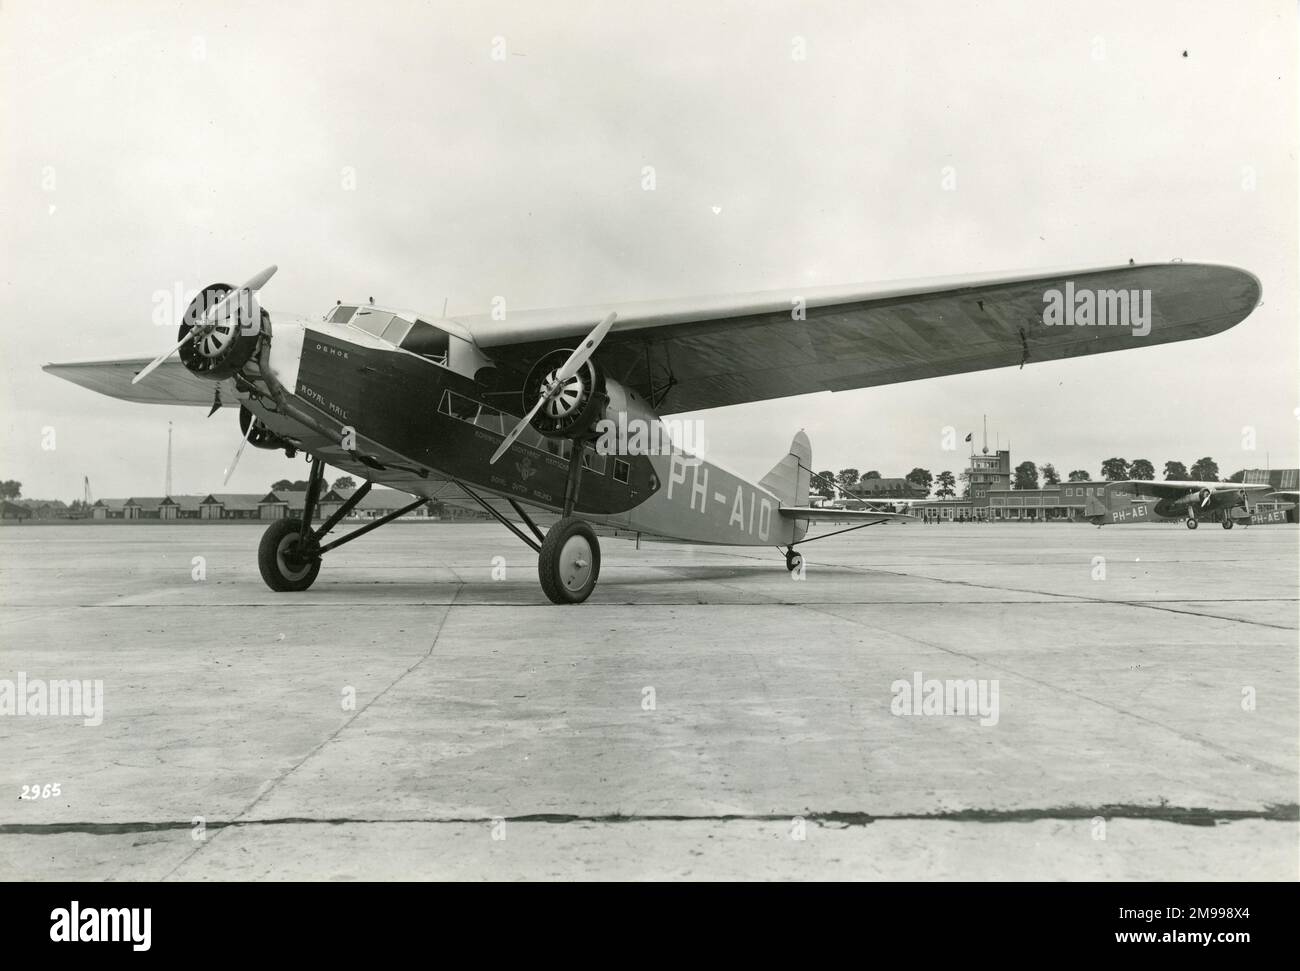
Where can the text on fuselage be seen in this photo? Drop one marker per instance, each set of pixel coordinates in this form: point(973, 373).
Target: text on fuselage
point(745, 508)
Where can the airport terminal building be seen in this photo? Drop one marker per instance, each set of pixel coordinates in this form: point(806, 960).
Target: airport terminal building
point(990, 498)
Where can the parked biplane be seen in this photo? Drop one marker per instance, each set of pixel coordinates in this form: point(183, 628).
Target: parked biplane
point(504, 413)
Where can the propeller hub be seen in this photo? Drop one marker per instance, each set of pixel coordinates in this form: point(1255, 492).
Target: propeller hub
point(563, 398)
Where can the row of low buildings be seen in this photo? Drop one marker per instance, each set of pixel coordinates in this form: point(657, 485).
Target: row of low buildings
point(990, 498)
point(276, 504)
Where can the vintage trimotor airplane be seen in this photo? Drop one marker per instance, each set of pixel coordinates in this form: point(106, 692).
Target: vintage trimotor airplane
point(432, 406)
point(1146, 501)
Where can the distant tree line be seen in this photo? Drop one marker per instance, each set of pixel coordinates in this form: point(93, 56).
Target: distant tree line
point(1028, 475)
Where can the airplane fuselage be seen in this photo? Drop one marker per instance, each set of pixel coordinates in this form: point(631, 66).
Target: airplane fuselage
point(409, 421)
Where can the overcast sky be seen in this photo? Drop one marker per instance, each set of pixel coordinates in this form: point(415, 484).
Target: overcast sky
point(380, 149)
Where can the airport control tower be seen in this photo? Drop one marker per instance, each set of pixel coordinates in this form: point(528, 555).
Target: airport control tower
point(986, 471)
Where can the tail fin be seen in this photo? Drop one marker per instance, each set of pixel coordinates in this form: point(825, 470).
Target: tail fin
point(1095, 510)
point(789, 478)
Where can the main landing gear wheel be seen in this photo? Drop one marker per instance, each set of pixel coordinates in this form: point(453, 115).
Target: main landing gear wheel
point(569, 561)
point(793, 561)
point(1227, 524)
point(280, 558)
point(1192, 523)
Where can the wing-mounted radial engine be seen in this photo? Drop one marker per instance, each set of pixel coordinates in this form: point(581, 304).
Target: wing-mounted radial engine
point(220, 331)
point(571, 395)
point(569, 390)
point(577, 403)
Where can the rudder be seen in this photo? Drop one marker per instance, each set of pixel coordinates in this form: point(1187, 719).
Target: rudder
point(790, 478)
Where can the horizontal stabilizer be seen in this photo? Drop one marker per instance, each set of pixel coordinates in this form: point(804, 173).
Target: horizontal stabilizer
point(855, 517)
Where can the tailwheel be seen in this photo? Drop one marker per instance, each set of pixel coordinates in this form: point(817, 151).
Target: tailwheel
point(793, 560)
point(1191, 522)
point(568, 563)
point(1227, 523)
point(282, 560)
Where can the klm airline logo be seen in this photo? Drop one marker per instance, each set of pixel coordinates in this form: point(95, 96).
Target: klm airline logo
point(525, 469)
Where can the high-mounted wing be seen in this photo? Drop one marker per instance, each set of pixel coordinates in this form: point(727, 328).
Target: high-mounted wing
point(729, 350)
point(1174, 489)
point(171, 384)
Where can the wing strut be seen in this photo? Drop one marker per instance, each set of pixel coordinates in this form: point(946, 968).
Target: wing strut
point(847, 529)
point(531, 543)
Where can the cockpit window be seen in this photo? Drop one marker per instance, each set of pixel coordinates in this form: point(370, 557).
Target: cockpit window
point(396, 330)
point(427, 341)
point(421, 338)
point(372, 321)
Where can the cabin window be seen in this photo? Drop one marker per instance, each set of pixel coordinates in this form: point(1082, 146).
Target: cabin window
point(622, 471)
point(498, 422)
point(341, 314)
point(592, 460)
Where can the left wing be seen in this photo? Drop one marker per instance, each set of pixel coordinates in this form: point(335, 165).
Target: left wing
point(171, 384)
point(711, 352)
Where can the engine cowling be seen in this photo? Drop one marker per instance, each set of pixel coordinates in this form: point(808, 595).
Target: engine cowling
point(226, 342)
point(258, 435)
point(578, 405)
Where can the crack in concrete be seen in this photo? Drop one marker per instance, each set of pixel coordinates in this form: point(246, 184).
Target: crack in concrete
point(1147, 603)
point(1182, 815)
point(267, 789)
point(820, 608)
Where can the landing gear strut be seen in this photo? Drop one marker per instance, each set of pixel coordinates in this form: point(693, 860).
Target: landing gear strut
point(568, 562)
point(793, 560)
point(568, 554)
point(290, 553)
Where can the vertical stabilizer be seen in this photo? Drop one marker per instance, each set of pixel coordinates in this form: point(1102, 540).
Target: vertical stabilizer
point(789, 478)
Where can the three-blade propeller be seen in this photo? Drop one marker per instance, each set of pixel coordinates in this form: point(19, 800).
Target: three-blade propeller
point(571, 367)
point(208, 322)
